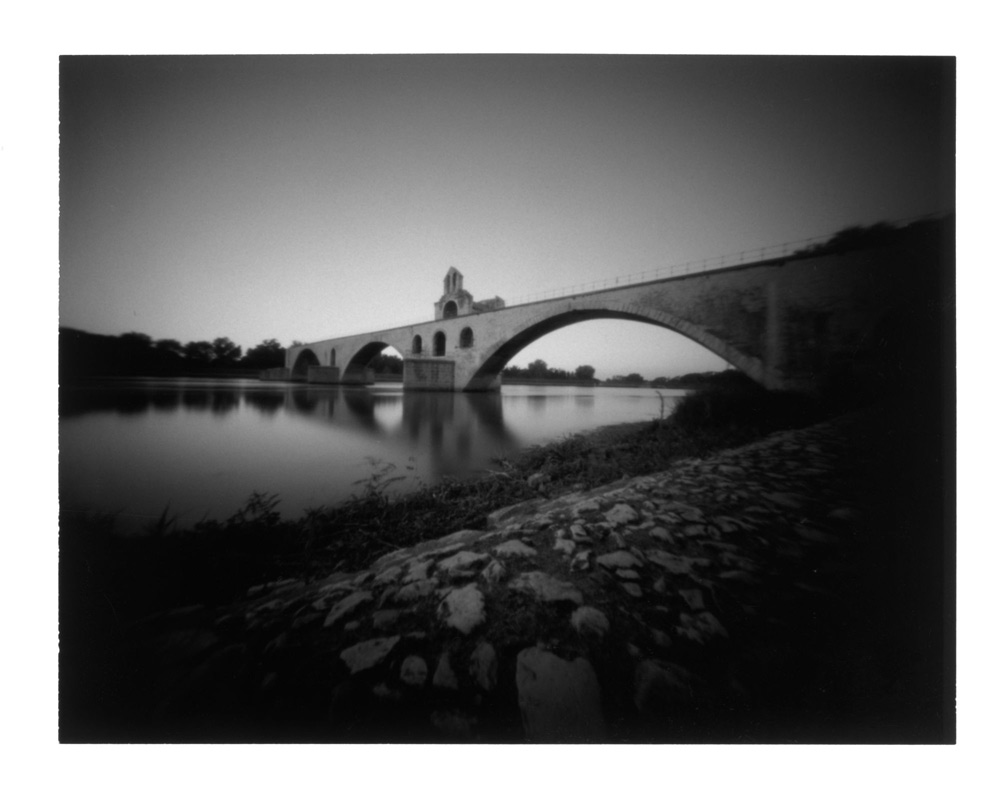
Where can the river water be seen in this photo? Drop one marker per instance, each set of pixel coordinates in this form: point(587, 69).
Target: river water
point(200, 447)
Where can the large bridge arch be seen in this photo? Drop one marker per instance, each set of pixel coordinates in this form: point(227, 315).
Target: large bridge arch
point(501, 352)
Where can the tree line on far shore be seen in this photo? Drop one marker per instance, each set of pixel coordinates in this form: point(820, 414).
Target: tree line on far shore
point(539, 370)
point(83, 354)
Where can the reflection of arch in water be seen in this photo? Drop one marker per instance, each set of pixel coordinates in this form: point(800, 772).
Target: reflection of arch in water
point(132, 402)
point(80, 401)
point(305, 400)
point(266, 401)
point(315, 400)
point(361, 404)
point(488, 409)
point(166, 400)
point(423, 409)
point(224, 401)
point(455, 420)
point(196, 399)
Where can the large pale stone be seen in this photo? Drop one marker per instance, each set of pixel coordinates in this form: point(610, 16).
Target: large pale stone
point(418, 570)
point(547, 588)
point(509, 515)
point(579, 534)
point(560, 701)
point(335, 587)
point(465, 536)
point(590, 621)
point(621, 514)
point(494, 573)
point(463, 608)
point(515, 547)
point(462, 562)
point(620, 559)
point(413, 591)
point(387, 575)
point(368, 654)
point(395, 557)
point(483, 666)
point(588, 506)
point(346, 607)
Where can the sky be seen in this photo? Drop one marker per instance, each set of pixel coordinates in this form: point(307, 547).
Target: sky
point(303, 198)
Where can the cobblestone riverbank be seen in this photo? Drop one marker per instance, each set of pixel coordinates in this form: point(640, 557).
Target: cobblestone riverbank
point(743, 597)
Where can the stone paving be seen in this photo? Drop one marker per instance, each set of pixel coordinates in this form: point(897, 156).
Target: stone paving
point(642, 610)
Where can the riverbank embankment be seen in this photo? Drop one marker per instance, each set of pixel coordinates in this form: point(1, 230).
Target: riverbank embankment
point(765, 592)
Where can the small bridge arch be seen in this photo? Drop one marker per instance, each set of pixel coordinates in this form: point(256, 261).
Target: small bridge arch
point(303, 361)
point(355, 370)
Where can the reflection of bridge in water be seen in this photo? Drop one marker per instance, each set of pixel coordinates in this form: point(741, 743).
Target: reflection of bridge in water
point(457, 429)
point(453, 424)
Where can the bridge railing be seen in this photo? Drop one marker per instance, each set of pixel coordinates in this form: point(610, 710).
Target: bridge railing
point(776, 251)
point(675, 270)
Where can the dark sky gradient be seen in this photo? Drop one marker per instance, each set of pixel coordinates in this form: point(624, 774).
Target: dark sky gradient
point(310, 197)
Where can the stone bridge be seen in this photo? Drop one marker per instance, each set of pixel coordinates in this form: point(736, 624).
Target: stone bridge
point(791, 323)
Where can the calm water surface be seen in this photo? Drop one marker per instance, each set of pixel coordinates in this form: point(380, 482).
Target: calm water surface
point(200, 447)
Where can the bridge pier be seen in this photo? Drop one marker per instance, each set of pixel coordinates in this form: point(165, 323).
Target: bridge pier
point(428, 374)
point(327, 375)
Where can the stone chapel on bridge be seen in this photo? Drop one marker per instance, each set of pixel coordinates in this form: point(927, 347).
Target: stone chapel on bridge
point(456, 301)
